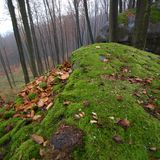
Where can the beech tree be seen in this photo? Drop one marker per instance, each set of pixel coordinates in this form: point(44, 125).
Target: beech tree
point(28, 36)
point(141, 23)
point(113, 21)
point(18, 40)
point(88, 20)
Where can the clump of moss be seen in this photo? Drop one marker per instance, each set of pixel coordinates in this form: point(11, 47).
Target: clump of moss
point(43, 85)
point(32, 96)
point(18, 101)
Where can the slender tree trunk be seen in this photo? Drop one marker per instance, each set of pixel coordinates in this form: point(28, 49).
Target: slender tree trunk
point(88, 20)
point(53, 18)
point(28, 36)
point(76, 7)
point(141, 23)
point(37, 52)
point(9, 68)
point(5, 70)
point(120, 6)
point(113, 21)
point(18, 40)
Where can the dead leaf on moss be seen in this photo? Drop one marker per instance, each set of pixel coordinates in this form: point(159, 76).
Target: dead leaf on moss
point(117, 139)
point(38, 139)
point(124, 123)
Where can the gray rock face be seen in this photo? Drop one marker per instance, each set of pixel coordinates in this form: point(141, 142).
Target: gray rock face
point(125, 32)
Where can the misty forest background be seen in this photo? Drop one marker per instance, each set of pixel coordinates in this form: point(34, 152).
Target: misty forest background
point(47, 31)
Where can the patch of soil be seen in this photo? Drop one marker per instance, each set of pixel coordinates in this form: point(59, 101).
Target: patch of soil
point(63, 142)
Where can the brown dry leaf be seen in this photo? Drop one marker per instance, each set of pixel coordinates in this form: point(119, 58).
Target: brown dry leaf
point(124, 123)
point(42, 152)
point(40, 103)
point(64, 76)
point(117, 139)
point(106, 60)
point(150, 106)
point(49, 106)
point(66, 103)
point(38, 139)
point(93, 121)
point(86, 103)
point(120, 98)
point(125, 70)
point(37, 117)
point(76, 117)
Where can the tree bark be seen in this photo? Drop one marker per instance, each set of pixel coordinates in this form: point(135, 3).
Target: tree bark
point(141, 23)
point(88, 20)
point(76, 7)
point(5, 70)
point(113, 21)
point(35, 42)
point(28, 36)
point(18, 40)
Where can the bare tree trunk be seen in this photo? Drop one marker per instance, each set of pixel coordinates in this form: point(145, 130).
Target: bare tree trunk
point(18, 40)
point(28, 36)
point(37, 52)
point(8, 65)
point(120, 6)
point(76, 7)
point(53, 18)
point(113, 20)
point(5, 69)
point(88, 21)
point(141, 23)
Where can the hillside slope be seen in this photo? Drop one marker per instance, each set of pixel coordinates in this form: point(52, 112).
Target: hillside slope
point(109, 108)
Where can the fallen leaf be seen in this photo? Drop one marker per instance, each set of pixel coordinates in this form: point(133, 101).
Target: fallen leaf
point(120, 98)
point(98, 47)
point(86, 103)
point(150, 106)
point(64, 76)
point(77, 117)
point(38, 139)
point(40, 103)
point(36, 117)
point(93, 121)
point(153, 149)
point(124, 123)
point(49, 106)
point(117, 139)
point(66, 103)
point(42, 152)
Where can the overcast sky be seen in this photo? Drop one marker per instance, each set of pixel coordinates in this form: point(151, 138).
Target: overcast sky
point(5, 23)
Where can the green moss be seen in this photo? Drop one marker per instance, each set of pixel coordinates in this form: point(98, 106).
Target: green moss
point(32, 96)
point(43, 85)
point(18, 101)
point(87, 83)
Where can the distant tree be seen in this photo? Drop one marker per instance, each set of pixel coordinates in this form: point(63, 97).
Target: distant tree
point(28, 36)
point(113, 21)
point(120, 6)
point(5, 69)
point(143, 9)
point(76, 7)
point(35, 42)
point(88, 20)
point(18, 40)
point(131, 4)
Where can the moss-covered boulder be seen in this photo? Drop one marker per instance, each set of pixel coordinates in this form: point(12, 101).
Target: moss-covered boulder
point(111, 98)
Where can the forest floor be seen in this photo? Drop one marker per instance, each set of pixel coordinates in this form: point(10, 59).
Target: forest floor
point(5, 90)
point(105, 106)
